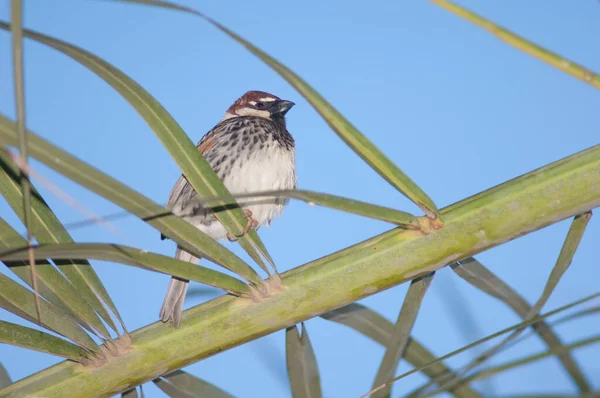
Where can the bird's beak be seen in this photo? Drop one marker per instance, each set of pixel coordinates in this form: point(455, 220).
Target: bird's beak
point(281, 107)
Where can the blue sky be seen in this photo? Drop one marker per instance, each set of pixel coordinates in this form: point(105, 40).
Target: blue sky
point(458, 110)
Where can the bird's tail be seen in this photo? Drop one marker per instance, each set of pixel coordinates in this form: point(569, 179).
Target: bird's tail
point(173, 304)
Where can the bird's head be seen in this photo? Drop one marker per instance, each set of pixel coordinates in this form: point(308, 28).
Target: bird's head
point(261, 104)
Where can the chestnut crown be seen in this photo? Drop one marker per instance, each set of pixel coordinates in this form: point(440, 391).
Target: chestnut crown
point(261, 104)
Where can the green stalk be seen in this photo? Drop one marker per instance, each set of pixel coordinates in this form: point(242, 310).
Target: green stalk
point(560, 190)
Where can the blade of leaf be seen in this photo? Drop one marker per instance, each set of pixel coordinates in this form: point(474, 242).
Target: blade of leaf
point(522, 44)
point(578, 314)
point(22, 336)
point(532, 358)
point(180, 384)
point(4, 377)
point(358, 142)
point(193, 165)
point(374, 326)
point(18, 300)
point(17, 55)
point(479, 276)
point(562, 264)
point(485, 339)
point(52, 284)
point(46, 228)
point(302, 368)
point(396, 346)
point(177, 229)
point(137, 258)
point(400, 218)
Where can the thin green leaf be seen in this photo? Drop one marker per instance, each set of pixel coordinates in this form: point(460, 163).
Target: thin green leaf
point(479, 276)
point(46, 228)
point(396, 346)
point(193, 165)
point(522, 44)
point(137, 258)
point(52, 284)
point(578, 314)
point(22, 336)
point(182, 232)
point(17, 42)
point(20, 301)
point(371, 324)
point(180, 384)
point(400, 218)
point(485, 373)
point(343, 128)
point(485, 339)
point(302, 368)
point(130, 393)
point(4, 377)
point(562, 264)
point(565, 258)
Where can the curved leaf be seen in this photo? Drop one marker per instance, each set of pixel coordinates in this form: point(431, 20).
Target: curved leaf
point(512, 328)
point(193, 165)
point(371, 324)
point(20, 301)
point(479, 276)
point(22, 336)
point(302, 368)
point(137, 258)
point(400, 218)
point(342, 127)
point(396, 346)
point(522, 44)
point(562, 264)
point(182, 232)
point(46, 228)
point(180, 384)
point(52, 284)
point(532, 358)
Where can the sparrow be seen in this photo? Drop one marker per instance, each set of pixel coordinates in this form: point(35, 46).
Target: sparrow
point(250, 150)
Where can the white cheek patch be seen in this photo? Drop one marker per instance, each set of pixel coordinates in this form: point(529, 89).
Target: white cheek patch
point(266, 99)
point(253, 112)
point(228, 116)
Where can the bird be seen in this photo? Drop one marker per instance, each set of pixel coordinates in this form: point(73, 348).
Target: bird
point(250, 150)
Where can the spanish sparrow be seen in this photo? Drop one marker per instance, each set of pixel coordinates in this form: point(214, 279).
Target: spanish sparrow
point(251, 150)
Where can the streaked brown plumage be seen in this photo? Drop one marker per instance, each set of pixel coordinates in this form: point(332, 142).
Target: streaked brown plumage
point(251, 150)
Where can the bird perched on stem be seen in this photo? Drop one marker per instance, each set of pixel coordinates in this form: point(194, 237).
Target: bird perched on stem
point(250, 150)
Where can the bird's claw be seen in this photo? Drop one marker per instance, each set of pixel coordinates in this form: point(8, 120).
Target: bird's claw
point(251, 224)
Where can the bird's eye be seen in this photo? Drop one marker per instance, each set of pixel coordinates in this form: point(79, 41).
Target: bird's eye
point(260, 105)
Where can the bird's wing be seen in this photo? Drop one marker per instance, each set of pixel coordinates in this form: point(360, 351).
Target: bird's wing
point(183, 191)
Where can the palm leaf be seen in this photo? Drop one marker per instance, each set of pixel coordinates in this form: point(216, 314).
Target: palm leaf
point(302, 368)
point(46, 228)
point(135, 257)
point(396, 346)
point(182, 232)
point(18, 335)
point(357, 141)
point(195, 168)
